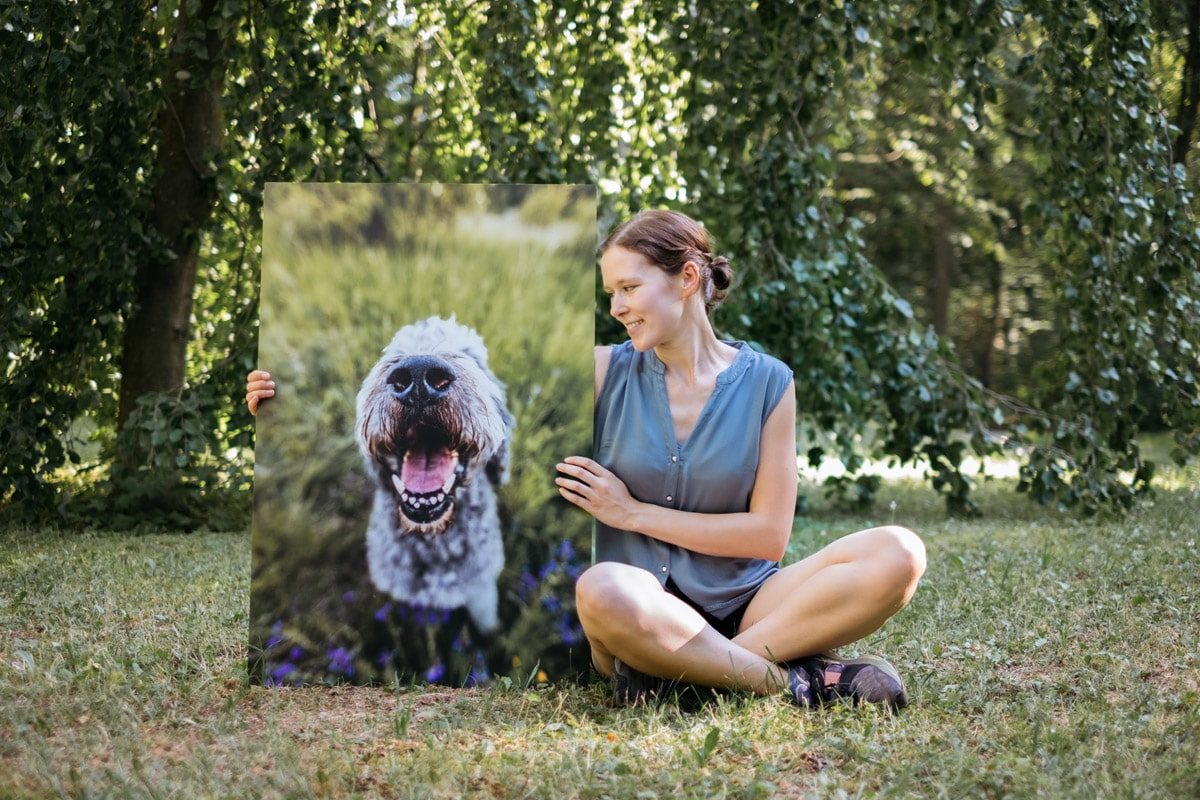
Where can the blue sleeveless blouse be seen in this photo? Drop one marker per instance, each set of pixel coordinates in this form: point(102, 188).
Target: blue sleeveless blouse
point(712, 472)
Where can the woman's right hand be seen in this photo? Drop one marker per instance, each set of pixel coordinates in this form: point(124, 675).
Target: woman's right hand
point(259, 387)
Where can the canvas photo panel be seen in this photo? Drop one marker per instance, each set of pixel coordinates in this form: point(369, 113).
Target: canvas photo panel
point(431, 347)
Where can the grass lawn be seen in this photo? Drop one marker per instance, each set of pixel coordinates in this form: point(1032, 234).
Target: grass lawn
point(1044, 656)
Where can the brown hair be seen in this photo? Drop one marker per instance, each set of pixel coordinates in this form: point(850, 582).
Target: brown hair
point(669, 240)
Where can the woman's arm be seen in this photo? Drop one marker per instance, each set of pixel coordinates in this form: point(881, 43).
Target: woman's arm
point(761, 532)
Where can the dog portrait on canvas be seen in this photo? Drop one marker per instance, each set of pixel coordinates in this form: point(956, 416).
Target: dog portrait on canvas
point(434, 431)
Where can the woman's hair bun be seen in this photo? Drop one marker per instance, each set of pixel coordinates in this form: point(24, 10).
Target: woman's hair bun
point(722, 273)
point(722, 279)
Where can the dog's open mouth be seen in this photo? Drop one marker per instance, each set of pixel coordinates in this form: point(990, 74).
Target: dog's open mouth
point(430, 472)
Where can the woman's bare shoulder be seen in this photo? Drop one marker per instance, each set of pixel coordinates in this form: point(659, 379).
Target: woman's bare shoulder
point(603, 356)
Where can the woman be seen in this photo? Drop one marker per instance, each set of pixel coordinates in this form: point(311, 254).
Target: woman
point(704, 433)
point(693, 492)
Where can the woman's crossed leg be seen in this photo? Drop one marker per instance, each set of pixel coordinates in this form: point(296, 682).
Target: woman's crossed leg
point(835, 596)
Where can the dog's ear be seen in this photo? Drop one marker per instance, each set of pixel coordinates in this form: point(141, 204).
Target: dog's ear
point(496, 468)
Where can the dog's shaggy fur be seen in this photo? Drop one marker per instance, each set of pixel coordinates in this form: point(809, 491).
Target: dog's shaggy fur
point(433, 429)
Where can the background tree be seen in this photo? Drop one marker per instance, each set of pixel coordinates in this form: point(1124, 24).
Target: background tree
point(1029, 130)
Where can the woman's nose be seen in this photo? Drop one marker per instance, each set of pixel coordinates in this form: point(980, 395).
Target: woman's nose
point(616, 307)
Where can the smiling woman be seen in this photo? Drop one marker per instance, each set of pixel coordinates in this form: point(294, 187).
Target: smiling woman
point(693, 488)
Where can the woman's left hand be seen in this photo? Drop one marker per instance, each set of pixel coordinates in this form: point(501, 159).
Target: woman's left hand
point(597, 491)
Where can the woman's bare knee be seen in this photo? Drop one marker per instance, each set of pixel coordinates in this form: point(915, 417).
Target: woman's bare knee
point(901, 556)
point(609, 594)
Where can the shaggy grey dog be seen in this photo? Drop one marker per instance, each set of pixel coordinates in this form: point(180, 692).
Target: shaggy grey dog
point(433, 429)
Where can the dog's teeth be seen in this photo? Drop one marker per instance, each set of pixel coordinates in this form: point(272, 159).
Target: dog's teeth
point(449, 482)
point(399, 484)
point(441, 496)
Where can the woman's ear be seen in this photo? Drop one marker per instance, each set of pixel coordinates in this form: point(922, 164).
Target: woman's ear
point(691, 278)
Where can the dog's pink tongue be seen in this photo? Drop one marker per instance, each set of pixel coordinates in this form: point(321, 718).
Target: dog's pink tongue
point(426, 471)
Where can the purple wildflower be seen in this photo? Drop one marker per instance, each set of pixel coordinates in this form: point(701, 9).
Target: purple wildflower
point(341, 661)
point(435, 673)
point(565, 551)
point(276, 634)
point(528, 584)
point(348, 597)
point(381, 613)
point(547, 569)
point(551, 604)
point(479, 673)
point(280, 673)
point(296, 653)
point(459, 644)
point(570, 632)
point(385, 658)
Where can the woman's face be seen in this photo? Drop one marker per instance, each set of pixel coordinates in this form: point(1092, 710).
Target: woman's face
point(642, 297)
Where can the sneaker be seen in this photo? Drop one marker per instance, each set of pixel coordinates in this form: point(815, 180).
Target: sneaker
point(826, 677)
point(631, 687)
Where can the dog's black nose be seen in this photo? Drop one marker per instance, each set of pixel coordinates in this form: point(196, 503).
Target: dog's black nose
point(420, 380)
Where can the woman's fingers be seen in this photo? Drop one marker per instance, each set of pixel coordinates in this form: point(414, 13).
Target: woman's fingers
point(583, 465)
point(578, 500)
point(258, 388)
point(578, 472)
point(577, 487)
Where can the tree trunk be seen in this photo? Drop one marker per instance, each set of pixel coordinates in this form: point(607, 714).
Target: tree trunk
point(191, 130)
point(996, 281)
point(1189, 89)
point(943, 274)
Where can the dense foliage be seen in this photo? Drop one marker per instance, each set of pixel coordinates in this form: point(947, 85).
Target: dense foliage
point(1032, 125)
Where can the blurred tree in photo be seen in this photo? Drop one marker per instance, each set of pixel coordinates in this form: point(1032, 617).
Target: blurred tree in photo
point(968, 227)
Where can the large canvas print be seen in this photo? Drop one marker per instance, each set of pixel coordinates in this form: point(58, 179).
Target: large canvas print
point(431, 347)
